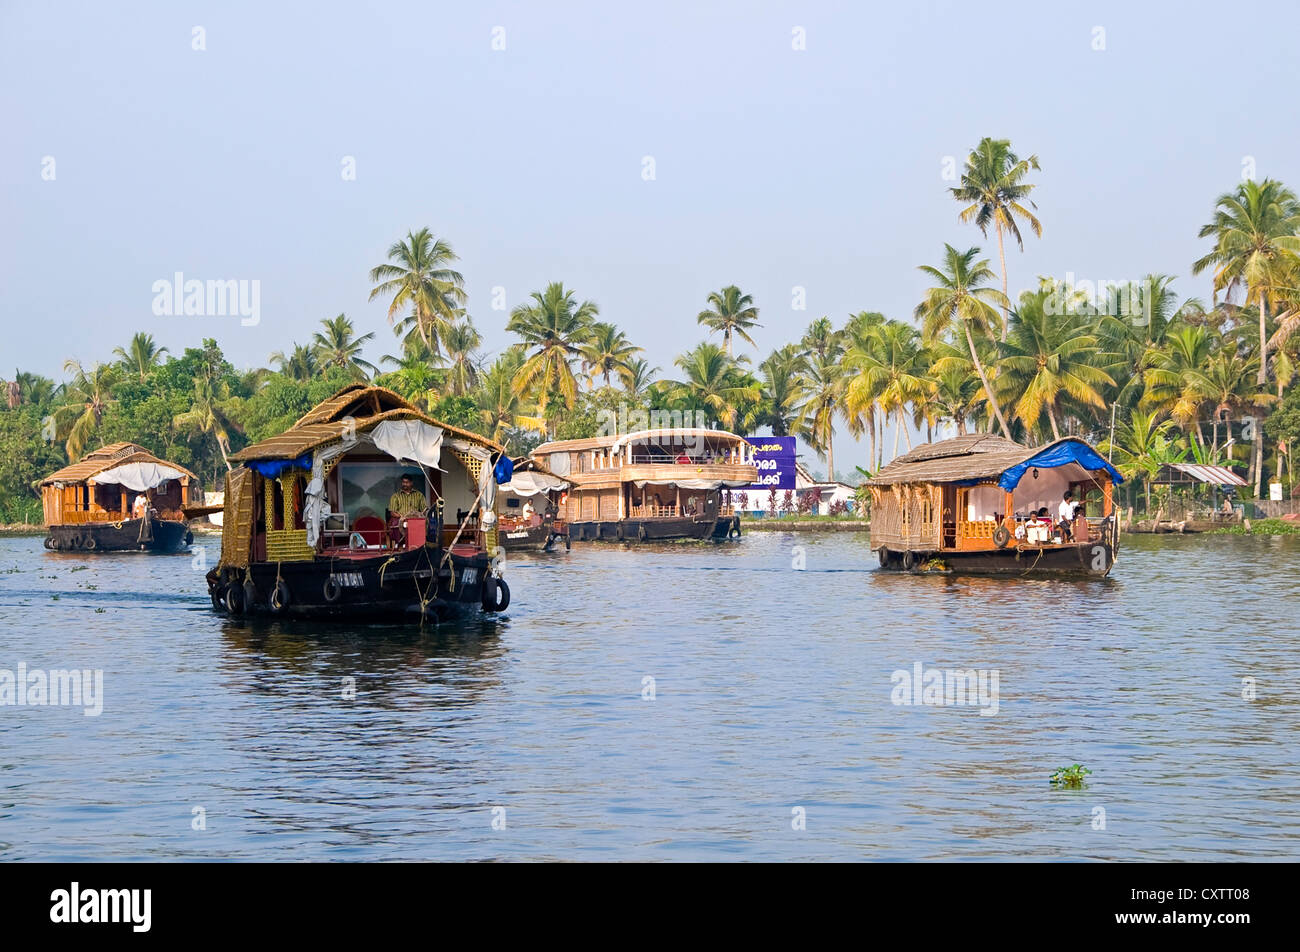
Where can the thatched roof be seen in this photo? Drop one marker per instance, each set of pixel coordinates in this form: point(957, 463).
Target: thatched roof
point(356, 408)
point(974, 456)
point(108, 457)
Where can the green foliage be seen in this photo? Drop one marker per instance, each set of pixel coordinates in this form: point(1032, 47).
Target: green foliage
point(1069, 777)
point(25, 459)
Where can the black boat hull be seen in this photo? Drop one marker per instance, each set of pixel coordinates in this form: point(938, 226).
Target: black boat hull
point(534, 538)
point(656, 530)
point(1087, 559)
point(398, 586)
point(130, 535)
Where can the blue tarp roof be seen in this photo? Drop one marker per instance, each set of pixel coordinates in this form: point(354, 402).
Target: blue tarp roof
point(271, 468)
point(1058, 454)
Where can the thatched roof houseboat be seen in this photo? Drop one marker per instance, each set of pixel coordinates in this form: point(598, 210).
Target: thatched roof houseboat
point(982, 504)
point(119, 498)
point(365, 507)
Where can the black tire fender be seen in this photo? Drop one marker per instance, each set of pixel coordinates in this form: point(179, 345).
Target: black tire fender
point(641, 534)
point(49, 542)
point(909, 560)
point(280, 597)
point(89, 543)
point(734, 531)
point(496, 594)
point(883, 555)
point(189, 538)
point(619, 532)
point(1001, 536)
point(234, 598)
point(332, 590)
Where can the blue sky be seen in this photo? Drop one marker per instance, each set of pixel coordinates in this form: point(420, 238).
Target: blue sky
point(775, 168)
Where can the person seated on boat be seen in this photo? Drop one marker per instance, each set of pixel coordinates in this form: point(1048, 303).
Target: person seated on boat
point(1065, 515)
point(140, 508)
point(683, 459)
point(409, 501)
point(528, 513)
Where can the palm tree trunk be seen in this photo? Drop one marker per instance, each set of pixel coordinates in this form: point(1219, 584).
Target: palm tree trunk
point(896, 429)
point(902, 425)
point(871, 441)
point(830, 454)
point(988, 391)
point(1002, 257)
point(1051, 418)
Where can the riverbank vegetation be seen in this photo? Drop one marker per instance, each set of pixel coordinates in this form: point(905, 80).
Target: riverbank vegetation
point(1147, 375)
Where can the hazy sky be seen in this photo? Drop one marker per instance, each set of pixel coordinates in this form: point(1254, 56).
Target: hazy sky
point(774, 167)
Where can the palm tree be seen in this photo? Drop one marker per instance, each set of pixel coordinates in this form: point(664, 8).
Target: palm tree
point(637, 377)
point(730, 312)
point(418, 276)
point(994, 188)
point(1256, 249)
point(29, 388)
point(960, 299)
point(210, 413)
point(822, 339)
point(714, 382)
point(415, 375)
point(502, 411)
point(300, 364)
point(338, 346)
point(1141, 444)
point(824, 387)
point(606, 352)
point(462, 341)
point(89, 394)
point(785, 388)
point(887, 370)
point(1048, 358)
point(140, 356)
point(1175, 381)
point(552, 329)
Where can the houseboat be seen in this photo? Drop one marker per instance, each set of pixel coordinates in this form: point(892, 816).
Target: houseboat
point(120, 498)
point(527, 508)
point(651, 484)
point(364, 508)
point(980, 504)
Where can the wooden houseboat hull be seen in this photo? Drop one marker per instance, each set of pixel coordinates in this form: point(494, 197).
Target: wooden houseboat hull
point(1087, 559)
point(395, 587)
point(656, 530)
point(129, 535)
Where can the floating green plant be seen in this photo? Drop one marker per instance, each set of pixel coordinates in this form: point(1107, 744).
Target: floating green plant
point(1071, 776)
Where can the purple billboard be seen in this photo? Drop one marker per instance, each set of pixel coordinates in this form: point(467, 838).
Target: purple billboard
point(774, 457)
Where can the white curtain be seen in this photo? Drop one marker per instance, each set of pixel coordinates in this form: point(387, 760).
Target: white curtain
point(138, 476)
point(412, 440)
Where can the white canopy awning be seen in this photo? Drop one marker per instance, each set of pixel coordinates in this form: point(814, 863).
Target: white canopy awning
point(694, 483)
point(138, 476)
point(532, 483)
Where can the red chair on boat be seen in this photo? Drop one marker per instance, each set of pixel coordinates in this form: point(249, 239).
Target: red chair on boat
point(371, 529)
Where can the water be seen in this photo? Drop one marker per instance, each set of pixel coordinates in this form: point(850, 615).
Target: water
point(772, 692)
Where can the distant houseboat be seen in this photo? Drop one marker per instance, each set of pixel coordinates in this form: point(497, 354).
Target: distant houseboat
point(651, 484)
point(119, 498)
point(308, 530)
point(528, 507)
point(980, 504)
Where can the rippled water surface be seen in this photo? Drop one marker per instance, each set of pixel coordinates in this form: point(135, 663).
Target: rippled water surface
point(772, 692)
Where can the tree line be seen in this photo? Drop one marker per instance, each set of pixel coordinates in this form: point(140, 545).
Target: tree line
point(1148, 377)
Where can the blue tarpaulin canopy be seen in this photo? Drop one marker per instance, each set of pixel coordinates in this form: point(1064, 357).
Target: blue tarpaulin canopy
point(271, 468)
point(1058, 454)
